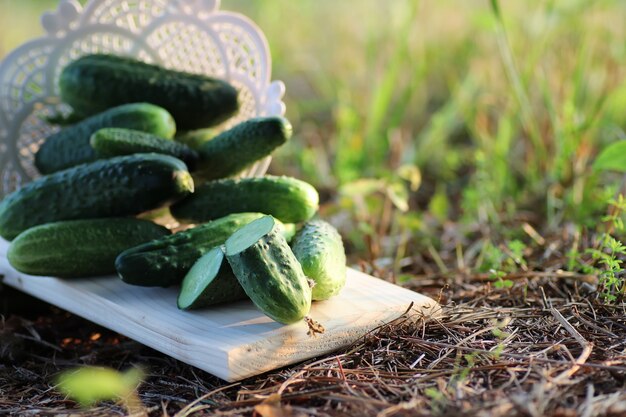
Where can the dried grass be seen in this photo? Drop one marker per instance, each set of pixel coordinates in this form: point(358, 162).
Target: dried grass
point(541, 348)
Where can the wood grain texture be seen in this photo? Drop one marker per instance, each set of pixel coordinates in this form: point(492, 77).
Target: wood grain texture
point(233, 341)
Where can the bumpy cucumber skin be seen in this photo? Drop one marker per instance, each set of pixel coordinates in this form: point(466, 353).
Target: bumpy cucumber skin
point(165, 261)
point(287, 199)
point(273, 278)
point(319, 249)
point(120, 186)
point(223, 287)
point(94, 83)
point(236, 149)
point(79, 248)
point(115, 141)
point(70, 146)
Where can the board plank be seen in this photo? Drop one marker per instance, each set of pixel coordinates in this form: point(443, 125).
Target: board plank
point(233, 341)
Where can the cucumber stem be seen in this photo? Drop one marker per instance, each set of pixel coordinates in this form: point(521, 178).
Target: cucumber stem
point(315, 327)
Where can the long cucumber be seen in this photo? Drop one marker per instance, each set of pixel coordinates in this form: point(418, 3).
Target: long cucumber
point(94, 83)
point(120, 186)
point(287, 199)
point(79, 248)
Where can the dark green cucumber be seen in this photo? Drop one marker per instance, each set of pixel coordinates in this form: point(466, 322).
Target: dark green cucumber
point(79, 248)
point(196, 138)
point(120, 186)
point(319, 249)
point(209, 281)
point(115, 141)
point(236, 149)
point(70, 146)
point(165, 261)
point(268, 271)
point(288, 199)
point(94, 83)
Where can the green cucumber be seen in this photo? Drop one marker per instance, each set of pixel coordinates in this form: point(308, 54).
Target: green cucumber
point(70, 146)
point(78, 248)
point(268, 271)
point(319, 249)
point(120, 186)
point(165, 261)
point(196, 138)
point(94, 83)
point(288, 230)
point(209, 281)
point(288, 199)
point(115, 141)
point(236, 149)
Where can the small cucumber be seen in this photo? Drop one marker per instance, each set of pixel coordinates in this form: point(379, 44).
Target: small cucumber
point(288, 199)
point(319, 249)
point(164, 262)
point(94, 83)
point(236, 149)
point(115, 141)
point(120, 186)
point(268, 271)
point(78, 248)
point(209, 281)
point(70, 146)
point(288, 230)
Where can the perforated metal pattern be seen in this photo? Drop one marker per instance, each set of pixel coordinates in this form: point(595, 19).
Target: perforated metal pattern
point(189, 35)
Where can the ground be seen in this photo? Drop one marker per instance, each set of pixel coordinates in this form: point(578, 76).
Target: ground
point(542, 347)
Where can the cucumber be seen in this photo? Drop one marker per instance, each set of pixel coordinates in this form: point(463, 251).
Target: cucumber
point(94, 83)
point(165, 261)
point(196, 138)
point(236, 149)
point(319, 249)
point(70, 146)
point(288, 230)
point(114, 141)
point(268, 271)
point(120, 186)
point(78, 248)
point(209, 281)
point(288, 199)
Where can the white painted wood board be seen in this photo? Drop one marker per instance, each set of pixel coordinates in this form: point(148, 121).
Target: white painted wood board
point(233, 341)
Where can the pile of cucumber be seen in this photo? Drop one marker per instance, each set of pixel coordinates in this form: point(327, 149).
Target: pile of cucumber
point(122, 156)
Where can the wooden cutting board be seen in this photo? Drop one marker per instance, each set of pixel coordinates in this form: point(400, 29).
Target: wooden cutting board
point(233, 341)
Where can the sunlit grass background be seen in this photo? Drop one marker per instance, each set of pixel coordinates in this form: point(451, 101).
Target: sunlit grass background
point(414, 117)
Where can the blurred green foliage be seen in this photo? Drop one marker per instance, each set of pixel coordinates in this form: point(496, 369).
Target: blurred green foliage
point(499, 108)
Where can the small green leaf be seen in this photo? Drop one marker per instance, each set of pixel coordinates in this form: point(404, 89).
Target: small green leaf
point(398, 195)
point(412, 174)
point(402, 278)
point(612, 158)
point(410, 220)
point(366, 229)
point(439, 204)
point(362, 187)
point(88, 385)
point(503, 283)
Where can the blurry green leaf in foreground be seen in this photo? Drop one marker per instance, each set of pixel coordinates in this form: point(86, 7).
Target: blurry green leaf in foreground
point(88, 385)
point(612, 158)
